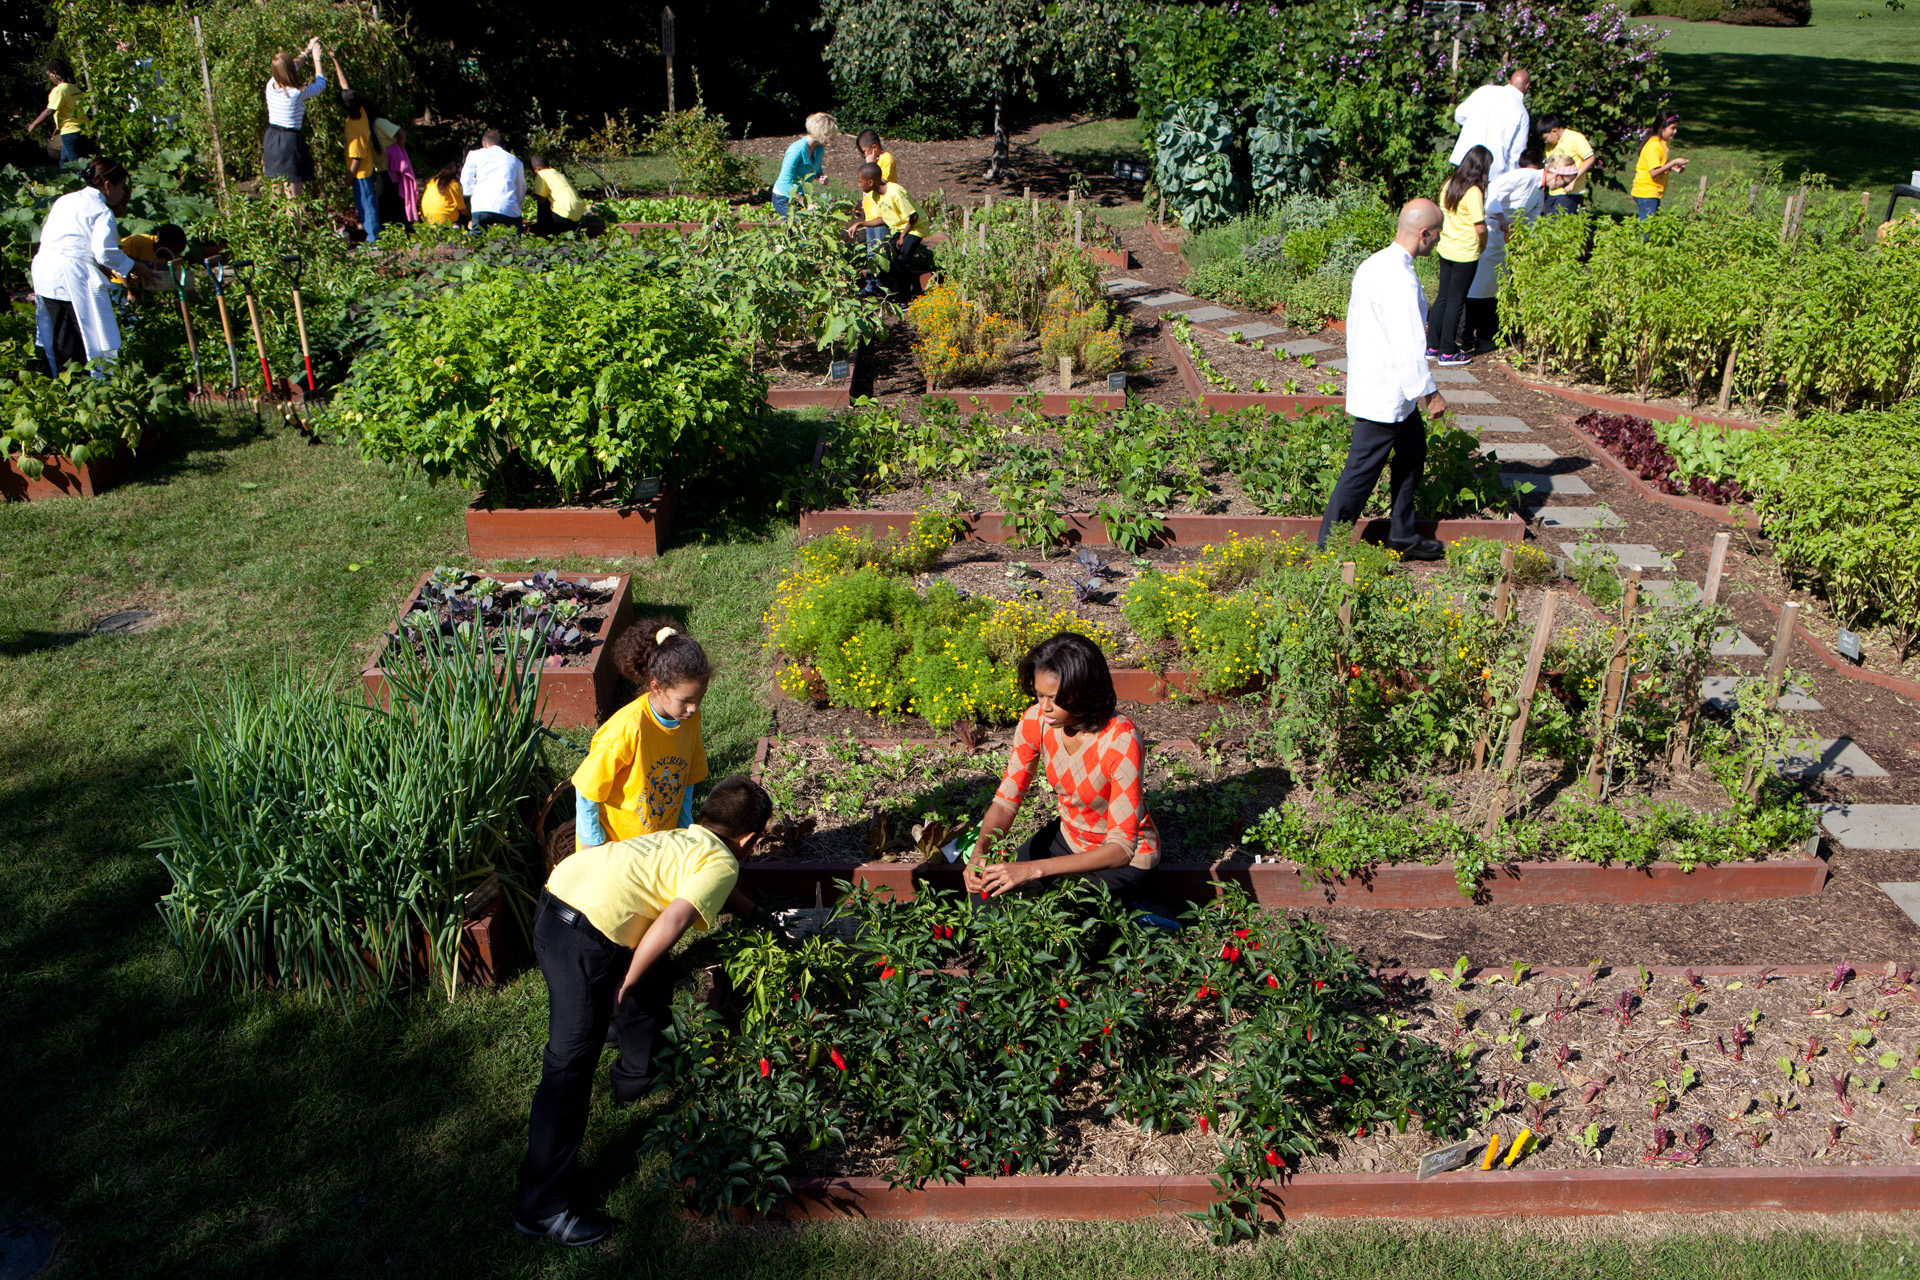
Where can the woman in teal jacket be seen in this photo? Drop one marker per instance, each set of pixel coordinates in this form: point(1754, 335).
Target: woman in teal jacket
point(805, 159)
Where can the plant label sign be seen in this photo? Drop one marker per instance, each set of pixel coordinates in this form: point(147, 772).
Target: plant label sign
point(1117, 383)
point(1849, 645)
point(839, 372)
point(1448, 1158)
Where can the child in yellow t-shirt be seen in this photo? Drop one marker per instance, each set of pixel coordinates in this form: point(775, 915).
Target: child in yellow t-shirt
point(641, 768)
point(1656, 164)
point(873, 153)
point(1463, 238)
point(885, 204)
point(442, 202)
point(65, 110)
point(561, 207)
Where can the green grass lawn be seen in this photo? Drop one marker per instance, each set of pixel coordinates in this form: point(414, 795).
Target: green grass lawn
point(162, 1133)
point(1840, 97)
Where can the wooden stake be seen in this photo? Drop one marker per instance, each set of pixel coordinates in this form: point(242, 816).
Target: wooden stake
point(1616, 677)
point(1786, 217)
point(1799, 211)
point(1716, 565)
point(1782, 642)
point(1726, 376)
point(213, 121)
point(1079, 228)
point(1503, 594)
point(1346, 600)
point(1066, 373)
point(1510, 761)
point(1162, 219)
point(1866, 211)
point(983, 237)
point(966, 219)
point(1701, 199)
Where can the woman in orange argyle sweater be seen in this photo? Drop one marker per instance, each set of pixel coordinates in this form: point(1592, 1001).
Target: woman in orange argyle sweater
point(1095, 762)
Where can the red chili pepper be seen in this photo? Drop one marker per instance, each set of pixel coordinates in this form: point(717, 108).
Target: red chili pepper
point(1203, 992)
point(1361, 1132)
point(838, 1061)
point(886, 973)
point(1203, 1124)
point(1229, 953)
point(1273, 1158)
point(1273, 982)
point(966, 1164)
point(1345, 1078)
point(1242, 933)
point(1317, 984)
point(1353, 671)
point(1062, 1002)
point(766, 1068)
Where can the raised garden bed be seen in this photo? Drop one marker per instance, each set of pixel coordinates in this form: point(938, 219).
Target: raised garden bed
point(62, 479)
point(1622, 404)
point(519, 516)
point(1227, 401)
point(575, 688)
point(806, 776)
point(804, 389)
point(1181, 530)
point(1698, 506)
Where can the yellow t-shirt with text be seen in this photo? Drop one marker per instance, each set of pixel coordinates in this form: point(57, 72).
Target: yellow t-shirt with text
point(552, 185)
point(64, 102)
point(359, 136)
point(1575, 147)
point(1652, 156)
point(442, 208)
point(1458, 241)
point(623, 886)
point(639, 770)
point(890, 203)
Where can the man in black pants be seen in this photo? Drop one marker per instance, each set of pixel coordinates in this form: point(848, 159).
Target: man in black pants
point(1387, 383)
point(605, 924)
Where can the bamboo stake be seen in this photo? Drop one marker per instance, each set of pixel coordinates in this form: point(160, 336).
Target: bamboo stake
point(1866, 212)
point(213, 122)
point(1610, 697)
point(1502, 598)
point(1799, 211)
point(1510, 760)
point(1786, 217)
point(1162, 219)
point(1079, 229)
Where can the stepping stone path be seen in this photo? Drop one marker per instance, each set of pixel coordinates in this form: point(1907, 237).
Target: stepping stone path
point(1734, 644)
point(1628, 555)
point(1200, 315)
point(1906, 897)
point(1166, 299)
point(1126, 284)
point(1578, 517)
point(1667, 594)
point(1519, 451)
point(1249, 333)
point(1453, 375)
point(1488, 422)
point(1304, 346)
point(1827, 758)
point(1544, 484)
point(1874, 826)
point(1718, 692)
point(1468, 397)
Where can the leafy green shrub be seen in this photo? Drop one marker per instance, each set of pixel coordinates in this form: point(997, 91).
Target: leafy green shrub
point(1815, 319)
point(1840, 496)
point(1286, 145)
point(793, 284)
point(698, 143)
point(587, 373)
point(1300, 256)
point(1193, 164)
point(1090, 337)
point(318, 844)
point(1029, 255)
point(665, 209)
point(1044, 998)
point(82, 417)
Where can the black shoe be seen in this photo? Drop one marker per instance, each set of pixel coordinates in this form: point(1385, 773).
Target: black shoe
point(569, 1227)
point(1424, 549)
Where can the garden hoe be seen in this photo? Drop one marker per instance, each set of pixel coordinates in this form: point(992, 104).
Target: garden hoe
point(244, 270)
point(217, 272)
point(290, 264)
point(178, 270)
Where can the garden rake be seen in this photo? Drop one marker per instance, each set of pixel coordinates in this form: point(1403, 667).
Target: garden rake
point(178, 271)
point(217, 272)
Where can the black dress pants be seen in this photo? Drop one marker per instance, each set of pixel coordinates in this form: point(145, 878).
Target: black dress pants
point(583, 970)
point(1374, 443)
point(1443, 319)
point(68, 346)
point(1050, 842)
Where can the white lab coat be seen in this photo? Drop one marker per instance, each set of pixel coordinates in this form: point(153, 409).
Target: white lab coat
point(80, 237)
point(1494, 116)
point(1519, 195)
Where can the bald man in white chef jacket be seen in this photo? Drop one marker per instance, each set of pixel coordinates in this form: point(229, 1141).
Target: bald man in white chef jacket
point(1495, 116)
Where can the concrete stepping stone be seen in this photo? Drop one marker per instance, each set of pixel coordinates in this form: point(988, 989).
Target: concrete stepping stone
point(1873, 826)
point(1305, 346)
point(1906, 897)
point(1125, 283)
point(1489, 422)
point(1167, 299)
point(1628, 555)
point(1731, 643)
point(1671, 594)
point(1469, 396)
point(1826, 758)
point(1454, 375)
point(1201, 315)
point(1520, 451)
point(1339, 365)
point(1544, 485)
point(1248, 332)
point(1719, 692)
point(1579, 518)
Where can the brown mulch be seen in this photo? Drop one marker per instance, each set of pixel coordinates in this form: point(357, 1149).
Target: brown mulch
point(1241, 363)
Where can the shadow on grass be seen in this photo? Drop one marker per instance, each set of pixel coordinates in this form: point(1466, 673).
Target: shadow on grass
point(760, 496)
point(1857, 122)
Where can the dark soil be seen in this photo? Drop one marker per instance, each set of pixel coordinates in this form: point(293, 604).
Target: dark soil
point(517, 486)
point(1244, 365)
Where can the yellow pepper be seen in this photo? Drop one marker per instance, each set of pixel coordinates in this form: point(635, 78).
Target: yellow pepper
point(1493, 1152)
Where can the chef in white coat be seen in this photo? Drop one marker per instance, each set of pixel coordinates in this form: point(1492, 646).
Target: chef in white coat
point(1495, 116)
point(74, 318)
point(1514, 197)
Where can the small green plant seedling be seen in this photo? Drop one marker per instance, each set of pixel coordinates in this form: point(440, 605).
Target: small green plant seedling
point(1457, 978)
point(1588, 1140)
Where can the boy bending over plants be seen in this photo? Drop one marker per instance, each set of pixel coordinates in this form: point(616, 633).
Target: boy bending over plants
point(603, 929)
point(1094, 762)
point(885, 204)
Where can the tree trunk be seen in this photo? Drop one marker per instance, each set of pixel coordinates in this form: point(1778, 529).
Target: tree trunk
point(997, 166)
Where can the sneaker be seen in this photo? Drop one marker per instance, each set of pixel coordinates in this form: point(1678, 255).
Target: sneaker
point(1453, 360)
point(1433, 353)
point(569, 1227)
point(1424, 549)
